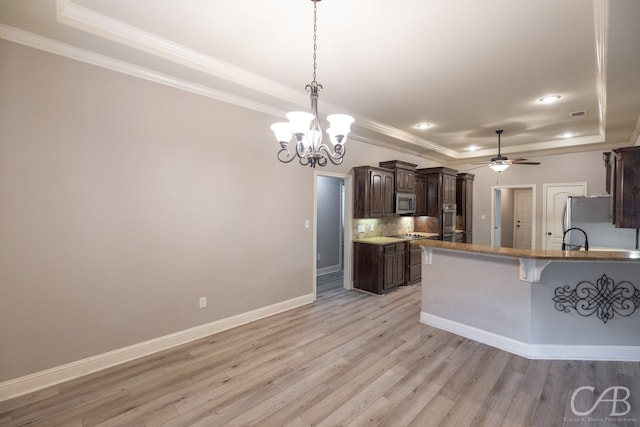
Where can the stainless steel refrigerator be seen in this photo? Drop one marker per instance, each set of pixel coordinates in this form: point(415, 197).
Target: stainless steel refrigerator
point(592, 214)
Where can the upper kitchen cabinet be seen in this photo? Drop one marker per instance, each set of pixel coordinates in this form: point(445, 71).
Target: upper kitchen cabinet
point(441, 188)
point(625, 187)
point(421, 195)
point(374, 192)
point(404, 175)
point(464, 203)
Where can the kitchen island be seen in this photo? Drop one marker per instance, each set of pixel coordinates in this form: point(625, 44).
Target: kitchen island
point(536, 303)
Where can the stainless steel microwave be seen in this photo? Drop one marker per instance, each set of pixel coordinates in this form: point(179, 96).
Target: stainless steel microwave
point(405, 203)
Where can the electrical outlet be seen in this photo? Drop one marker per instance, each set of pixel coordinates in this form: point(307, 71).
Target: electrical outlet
point(371, 227)
point(202, 303)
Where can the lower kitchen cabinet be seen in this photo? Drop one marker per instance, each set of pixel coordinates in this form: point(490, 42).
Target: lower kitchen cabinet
point(378, 268)
point(413, 265)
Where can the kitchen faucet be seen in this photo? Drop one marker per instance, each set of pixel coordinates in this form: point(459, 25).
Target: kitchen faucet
point(586, 240)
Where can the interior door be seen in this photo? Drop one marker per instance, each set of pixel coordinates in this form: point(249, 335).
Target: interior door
point(523, 221)
point(555, 197)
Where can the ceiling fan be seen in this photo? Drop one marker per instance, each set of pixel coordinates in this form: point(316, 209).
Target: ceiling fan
point(501, 163)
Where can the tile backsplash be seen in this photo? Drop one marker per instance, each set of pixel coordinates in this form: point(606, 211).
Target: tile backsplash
point(392, 226)
point(382, 226)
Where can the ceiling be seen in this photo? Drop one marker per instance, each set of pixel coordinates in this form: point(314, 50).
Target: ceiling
point(467, 67)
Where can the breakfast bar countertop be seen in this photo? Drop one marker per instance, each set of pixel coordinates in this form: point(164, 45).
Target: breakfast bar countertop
point(594, 255)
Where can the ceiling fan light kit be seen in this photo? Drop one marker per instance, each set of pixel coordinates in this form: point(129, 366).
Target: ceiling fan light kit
point(306, 128)
point(501, 163)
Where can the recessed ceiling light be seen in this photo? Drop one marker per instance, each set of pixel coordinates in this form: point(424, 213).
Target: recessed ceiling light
point(549, 99)
point(568, 135)
point(473, 148)
point(423, 126)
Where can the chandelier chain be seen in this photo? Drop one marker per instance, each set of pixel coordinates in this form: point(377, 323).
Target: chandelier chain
point(315, 42)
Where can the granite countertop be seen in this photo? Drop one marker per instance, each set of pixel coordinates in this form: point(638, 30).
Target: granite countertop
point(595, 255)
point(387, 240)
point(380, 240)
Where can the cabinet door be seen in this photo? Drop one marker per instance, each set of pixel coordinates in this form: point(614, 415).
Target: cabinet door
point(421, 196)
point(433, 201)
point(627, 188)
point(401, 180)
point(377, 195)
point(398, 270)
point(448, 188)
point(388, 194)
point(405, 181)
point(389, 273)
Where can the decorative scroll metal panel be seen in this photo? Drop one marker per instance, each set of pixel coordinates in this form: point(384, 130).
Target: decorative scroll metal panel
point(605, 298)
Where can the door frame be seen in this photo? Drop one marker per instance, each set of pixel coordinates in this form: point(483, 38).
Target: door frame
point(348, 233)
point(495, 197)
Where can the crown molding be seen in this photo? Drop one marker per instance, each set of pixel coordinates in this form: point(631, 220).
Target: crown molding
point(55, 47)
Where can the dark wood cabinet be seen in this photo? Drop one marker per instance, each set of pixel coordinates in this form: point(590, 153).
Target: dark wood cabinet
point(374, 192)
point(404, 175)
point(449, 188)
point(625, 187)
point(464, 205)
point(421, 195)
point(378, 268)
point(413, 264)
point(440, 188)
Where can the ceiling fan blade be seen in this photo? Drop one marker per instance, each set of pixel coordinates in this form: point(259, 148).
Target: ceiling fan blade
point(482, 165)
point(519, 160)
point(515, 162)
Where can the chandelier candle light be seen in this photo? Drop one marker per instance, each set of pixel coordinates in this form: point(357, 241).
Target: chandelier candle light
point(306, 126)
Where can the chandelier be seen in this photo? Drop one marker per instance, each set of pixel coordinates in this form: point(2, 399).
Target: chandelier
point(306, 128)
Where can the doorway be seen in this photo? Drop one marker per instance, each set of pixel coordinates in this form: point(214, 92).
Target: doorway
point(332, 232)
point(513, 213)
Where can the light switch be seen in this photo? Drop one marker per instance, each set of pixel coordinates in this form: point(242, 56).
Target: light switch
point(361, 228)
point(306, 223)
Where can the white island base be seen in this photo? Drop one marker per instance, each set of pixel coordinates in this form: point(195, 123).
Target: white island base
point(505, 299)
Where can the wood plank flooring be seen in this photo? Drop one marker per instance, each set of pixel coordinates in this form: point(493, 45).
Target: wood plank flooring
point(350, 359)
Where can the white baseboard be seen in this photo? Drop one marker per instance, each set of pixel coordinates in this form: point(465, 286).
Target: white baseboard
point(327, 270)
point(39, 380)
point(535, 351)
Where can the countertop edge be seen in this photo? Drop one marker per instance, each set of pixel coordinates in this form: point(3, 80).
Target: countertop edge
point(633, 256)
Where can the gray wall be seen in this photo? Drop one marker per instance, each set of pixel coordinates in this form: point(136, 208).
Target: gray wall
point(123, 201)
point(329, 228)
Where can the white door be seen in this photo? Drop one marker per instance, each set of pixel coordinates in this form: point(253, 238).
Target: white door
point(522, 221)
point(555, 199)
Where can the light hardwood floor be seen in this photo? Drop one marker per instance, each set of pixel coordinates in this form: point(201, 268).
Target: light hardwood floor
point(349, 359)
